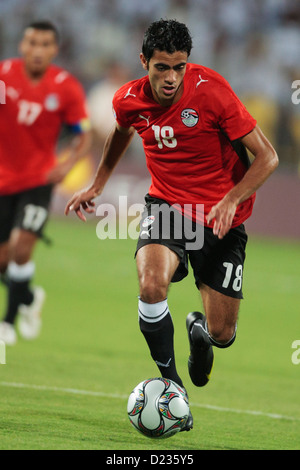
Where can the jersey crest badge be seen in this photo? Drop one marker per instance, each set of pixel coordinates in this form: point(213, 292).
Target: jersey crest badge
point(189, 117)
point(52, 102)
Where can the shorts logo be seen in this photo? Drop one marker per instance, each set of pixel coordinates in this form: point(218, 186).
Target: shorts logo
point(148, 221)
point(189, 117)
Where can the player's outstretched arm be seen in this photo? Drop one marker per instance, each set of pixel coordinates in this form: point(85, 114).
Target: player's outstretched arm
point(265, 162)
point(115, 146)
point(78, 148)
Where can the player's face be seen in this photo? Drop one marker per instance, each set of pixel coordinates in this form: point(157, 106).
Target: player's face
point(38, 49)
point(166, 72)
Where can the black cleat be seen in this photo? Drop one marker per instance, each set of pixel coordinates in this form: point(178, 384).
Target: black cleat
point(190, 421)
point(201, 358)
point(189, 424)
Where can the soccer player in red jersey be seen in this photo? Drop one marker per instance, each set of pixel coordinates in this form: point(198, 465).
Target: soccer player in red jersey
point(195, 133)
point(40, 99)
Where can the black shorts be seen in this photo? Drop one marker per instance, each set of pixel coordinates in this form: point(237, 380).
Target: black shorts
point(216, 263)
point(27, 210)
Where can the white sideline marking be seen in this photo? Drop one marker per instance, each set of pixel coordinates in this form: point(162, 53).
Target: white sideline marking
point(125, 397)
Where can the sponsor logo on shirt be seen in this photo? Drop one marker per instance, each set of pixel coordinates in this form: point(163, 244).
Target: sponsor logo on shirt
point(201, 81)
point(145, 118)
point(129, 94)
point(189, 117)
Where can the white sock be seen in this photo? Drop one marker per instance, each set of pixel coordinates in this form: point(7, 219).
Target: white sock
point(153, 313)
point(20, 272)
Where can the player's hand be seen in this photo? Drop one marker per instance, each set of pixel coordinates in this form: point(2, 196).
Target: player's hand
point(82, 200)
point(223, 214)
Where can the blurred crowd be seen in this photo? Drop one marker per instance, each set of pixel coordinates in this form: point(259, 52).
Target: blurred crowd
point(254, 44)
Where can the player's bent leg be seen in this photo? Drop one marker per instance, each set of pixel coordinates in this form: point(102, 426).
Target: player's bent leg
point(221, 316)
point(156, 265)
point(18, 278)
point(7, 330)
point(217, 328)
point(21, 297)
point(3, 262)
point(3, 257)
point(20, 271)
point(201, 359)
point(21, 246)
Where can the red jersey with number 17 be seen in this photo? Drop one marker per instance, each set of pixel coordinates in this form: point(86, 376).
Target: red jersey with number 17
point(192, 149)
point(31, 120)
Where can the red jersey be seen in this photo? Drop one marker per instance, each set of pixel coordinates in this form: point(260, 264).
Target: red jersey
point(31, 120)
point(188, 145)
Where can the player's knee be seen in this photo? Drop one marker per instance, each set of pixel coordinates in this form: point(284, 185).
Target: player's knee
point(3, 268)
point(223, 336)
point(3, 258)
point(20, 256)
point(3, 265)
point(21, 246)
point(153, 287)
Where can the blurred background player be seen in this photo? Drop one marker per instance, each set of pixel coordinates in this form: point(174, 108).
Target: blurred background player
point(40, 99)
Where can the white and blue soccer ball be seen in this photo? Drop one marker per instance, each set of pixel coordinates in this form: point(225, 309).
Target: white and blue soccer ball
point(158, 408)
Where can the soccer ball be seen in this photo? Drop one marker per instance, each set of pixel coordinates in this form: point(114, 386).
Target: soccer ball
point(158, 408)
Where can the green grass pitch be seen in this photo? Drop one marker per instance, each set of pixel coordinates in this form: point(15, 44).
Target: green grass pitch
point(69, 388)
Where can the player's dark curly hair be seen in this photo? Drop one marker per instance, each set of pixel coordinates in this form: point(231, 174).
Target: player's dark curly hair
point(166, 35)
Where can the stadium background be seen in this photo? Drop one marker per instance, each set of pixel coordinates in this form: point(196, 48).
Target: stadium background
point(255, 45)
